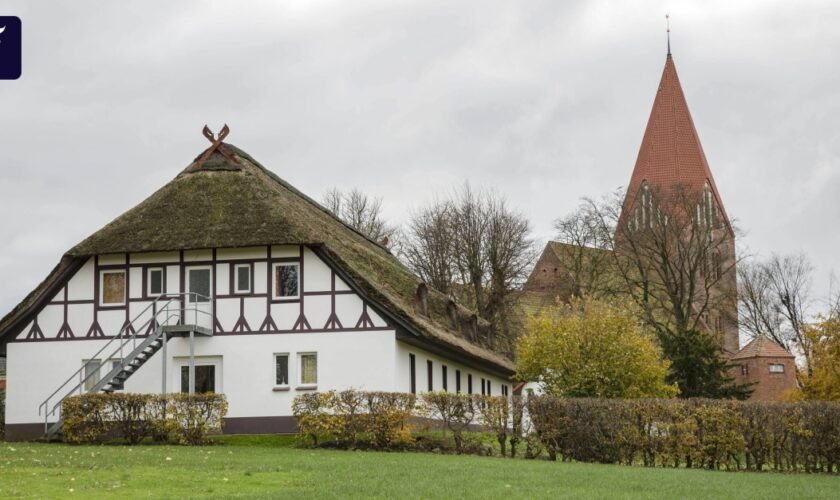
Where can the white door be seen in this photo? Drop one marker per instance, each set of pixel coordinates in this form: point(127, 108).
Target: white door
point(199, 300)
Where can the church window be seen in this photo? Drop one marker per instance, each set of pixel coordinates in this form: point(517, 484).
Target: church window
point(113, 288)
point(777, 368)
point(286, 282)
point(242, 274)
point(154, 281)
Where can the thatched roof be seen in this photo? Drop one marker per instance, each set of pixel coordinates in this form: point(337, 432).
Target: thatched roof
point(219, 203)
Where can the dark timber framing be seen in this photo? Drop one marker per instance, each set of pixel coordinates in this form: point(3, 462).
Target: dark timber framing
point(241, 327)
point(404, 332)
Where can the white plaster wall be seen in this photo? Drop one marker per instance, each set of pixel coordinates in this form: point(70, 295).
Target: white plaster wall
point(80, 286)
point(361, 360)
point(402, 382)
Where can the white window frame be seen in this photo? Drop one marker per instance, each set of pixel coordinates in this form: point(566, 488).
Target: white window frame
point(274, 295)
point(89, 383)
point(776, 365)
point(102, 274)
point(299, 370)
point(236, 269)
point(281, 387)
point(189, 298)
point(149, 292)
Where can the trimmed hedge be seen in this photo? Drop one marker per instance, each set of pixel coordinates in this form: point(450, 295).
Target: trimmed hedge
point(693, 433)
point(174, 418)
point(342, 418)
point(354, 419)
point(698, 433)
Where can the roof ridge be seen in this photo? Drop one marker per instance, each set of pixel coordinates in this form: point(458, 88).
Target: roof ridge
point(239, 152)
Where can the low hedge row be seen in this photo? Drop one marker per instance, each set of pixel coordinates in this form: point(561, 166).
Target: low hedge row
point(173, 418)
point(694, 433)
point(700, 433)
point(389, 420)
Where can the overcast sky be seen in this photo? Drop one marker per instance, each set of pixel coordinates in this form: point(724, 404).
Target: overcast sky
point(544, 102)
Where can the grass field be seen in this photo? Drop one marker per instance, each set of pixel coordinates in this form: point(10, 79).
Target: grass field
point(266, 467)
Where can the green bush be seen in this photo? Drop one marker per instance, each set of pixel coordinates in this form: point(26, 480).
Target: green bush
point(694, 433)
point(176, 418)
point(350, 418)
point(455, 411)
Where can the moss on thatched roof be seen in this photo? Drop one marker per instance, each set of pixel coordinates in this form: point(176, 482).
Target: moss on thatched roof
point(219, 203)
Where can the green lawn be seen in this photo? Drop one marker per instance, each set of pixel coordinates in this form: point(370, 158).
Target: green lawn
point(267, 467)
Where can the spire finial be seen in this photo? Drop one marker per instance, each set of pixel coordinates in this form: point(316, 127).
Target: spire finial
point(668, 31)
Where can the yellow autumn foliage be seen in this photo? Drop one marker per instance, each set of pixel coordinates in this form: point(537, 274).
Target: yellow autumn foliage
point(591, 348)
point(824, 382)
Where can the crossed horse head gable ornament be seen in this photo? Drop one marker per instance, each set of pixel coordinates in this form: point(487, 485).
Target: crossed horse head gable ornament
point(217, 145)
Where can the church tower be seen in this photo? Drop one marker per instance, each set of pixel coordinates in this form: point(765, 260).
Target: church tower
point(670, 158)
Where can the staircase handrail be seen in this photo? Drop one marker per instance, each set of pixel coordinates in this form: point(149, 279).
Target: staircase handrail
point(169, 299)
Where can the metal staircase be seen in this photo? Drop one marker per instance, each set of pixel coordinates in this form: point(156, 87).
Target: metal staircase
point(163, 319)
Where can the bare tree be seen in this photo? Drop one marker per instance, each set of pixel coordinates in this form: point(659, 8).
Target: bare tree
point(429, 246)
point(674, 253)
point(361, 212)
point(586, 249)
point(774, 298)
point(474, 247)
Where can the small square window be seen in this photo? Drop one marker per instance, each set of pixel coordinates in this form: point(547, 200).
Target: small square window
point(777, 368)
point(113, 288)
point(243, 278)
point(155, 282)
point(286, 283)
point(308, 369)
point(281, 370)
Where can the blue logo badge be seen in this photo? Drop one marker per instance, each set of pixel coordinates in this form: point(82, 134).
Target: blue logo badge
point(10, 48)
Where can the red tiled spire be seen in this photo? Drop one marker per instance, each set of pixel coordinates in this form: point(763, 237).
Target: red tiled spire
point(671, 153)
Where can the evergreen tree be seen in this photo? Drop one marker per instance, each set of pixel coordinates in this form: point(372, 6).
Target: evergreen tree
point(699, 368)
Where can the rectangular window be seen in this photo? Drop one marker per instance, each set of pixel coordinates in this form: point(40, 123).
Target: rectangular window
point(113, 288)
point(91, 372)
point(412, 374)
point(483, 389)
point(154, 281)
point(458, 381)
point(281, 370)
point(777, 368)
point(199, 285)
point(745, 370)
point(242, 277)
point(444, 378)
point(205, 379)
point(286, 283)
point(429, 368)
point(309, 369)
point(489, 392)
point(469, 383)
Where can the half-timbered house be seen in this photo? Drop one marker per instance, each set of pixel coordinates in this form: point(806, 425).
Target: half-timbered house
point(229, 279)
